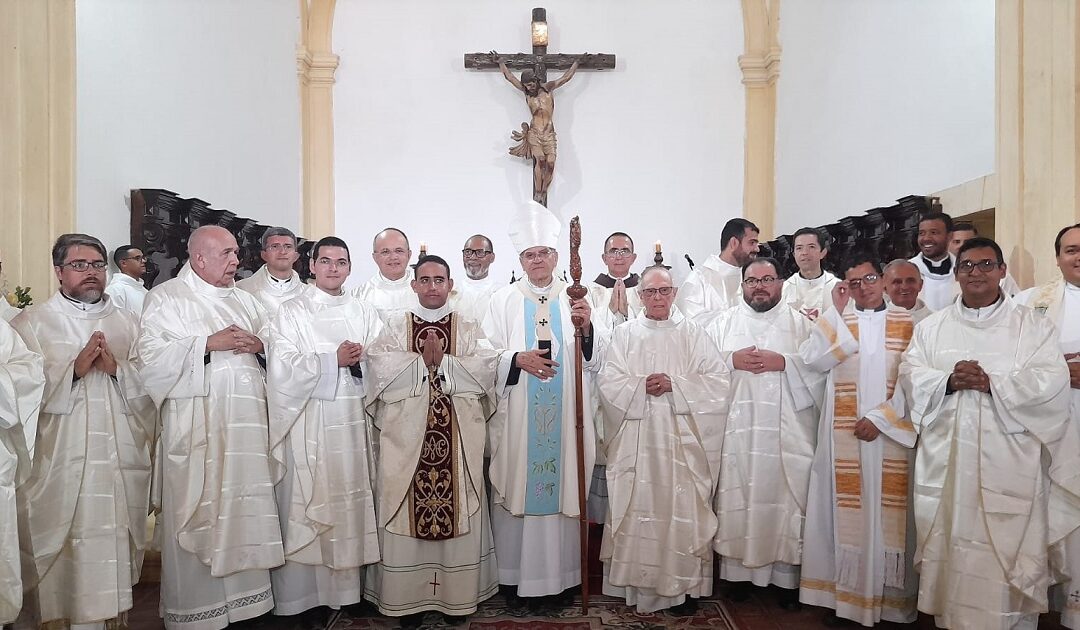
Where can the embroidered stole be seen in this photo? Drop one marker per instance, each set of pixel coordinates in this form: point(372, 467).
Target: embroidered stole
point(847, 465)
point(543, 329)
point(1048, 300)
point(434, 498)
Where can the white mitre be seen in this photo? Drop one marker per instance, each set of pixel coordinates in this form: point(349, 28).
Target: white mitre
point(534, 226)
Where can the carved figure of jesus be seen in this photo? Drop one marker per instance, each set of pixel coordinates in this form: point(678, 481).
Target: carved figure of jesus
point(536, 140)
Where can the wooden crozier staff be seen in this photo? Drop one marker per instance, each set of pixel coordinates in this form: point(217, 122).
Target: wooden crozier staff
point(577, 292)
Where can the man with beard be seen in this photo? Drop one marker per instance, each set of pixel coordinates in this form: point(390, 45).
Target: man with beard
point(431, 383)
point(533, 472)
point(388, 290)
point(611, 289)
point(126, 288)
point(934, 261)
point(859, 539)
point(276, 281)
point(664, 390)
point(714, 286)
point(318, 428)
point(769, 438)
point(86, 501)
point(1059, 300)
point(471, 296)
point(201, 347)
point(22, 383)
point(903, 283)
point(996, 487)
point(810, 290)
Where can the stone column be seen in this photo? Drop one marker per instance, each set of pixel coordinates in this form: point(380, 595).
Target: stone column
point(315, 67)
point(760, 67)
point(1038, 169)
point(37, 137)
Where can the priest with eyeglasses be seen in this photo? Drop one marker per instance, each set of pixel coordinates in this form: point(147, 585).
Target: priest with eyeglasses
point(276, 282)
point(769, 438)
point(613, 292)
point(472, 294)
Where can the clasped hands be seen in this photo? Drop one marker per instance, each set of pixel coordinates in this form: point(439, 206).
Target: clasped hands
point(617, 304)
point(1073, 361)
point(756, 361)
point(431, 349)
point(95, 354)
point(657, 384)
point(349, 353)
point(236, 339)
point(969, 375)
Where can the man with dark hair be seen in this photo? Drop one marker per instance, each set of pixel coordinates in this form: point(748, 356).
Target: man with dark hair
point(962, 232)
point(316, 400)
point(857, 556)
point(276, 282)
point(430, 385)
point(934, 261)
point(610, 289)
point(769, 436)
point(472, 294)
point(85, 503)
point(714, 286)
point(995, 488)
point(201, 350)
point(125, 288)
point(1059, 300)
point(389, 289)
point(810, 290)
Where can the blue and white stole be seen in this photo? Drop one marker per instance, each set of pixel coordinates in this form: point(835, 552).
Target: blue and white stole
point(543, 329)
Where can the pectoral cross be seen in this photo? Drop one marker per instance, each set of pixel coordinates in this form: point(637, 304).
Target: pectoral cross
point(536, 140)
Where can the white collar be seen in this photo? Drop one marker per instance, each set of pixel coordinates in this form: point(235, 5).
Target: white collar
point(1072, 289)
point(540, 290)
point(121, 277)
point(979, 314)
point(88, 308)
point(188, 276)
point(403, 281)
point(432, 314)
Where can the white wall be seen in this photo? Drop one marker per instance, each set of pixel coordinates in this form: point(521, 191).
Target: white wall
point(877, 100)
point(654, 147)
point(196, 96)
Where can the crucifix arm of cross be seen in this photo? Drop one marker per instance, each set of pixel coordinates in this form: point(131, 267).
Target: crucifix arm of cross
point(561, 81)
point(506, 71)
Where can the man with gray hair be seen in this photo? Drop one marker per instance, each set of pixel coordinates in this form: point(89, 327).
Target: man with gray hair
point(276, 282)
point(664, 392)
point(903, 283)
point(85, 503)
point(200, 348)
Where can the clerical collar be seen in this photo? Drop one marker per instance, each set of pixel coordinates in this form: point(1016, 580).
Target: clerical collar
point(123, 277)
point(540, 290)
point(940, 268)
point(322, 297)
point(983, 312)
point(431, 314)
point(402, 281)
point(1072, 288)
point(86, 307)
point(278, 280)
point(608, 282)
point(872, 310)
point(817, 278)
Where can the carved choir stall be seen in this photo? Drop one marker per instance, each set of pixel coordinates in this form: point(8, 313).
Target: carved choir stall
point(161, 223)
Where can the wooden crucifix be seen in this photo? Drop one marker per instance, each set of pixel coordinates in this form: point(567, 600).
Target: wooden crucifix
point(536, 140)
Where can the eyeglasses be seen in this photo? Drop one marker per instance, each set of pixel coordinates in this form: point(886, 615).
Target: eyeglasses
point(280, 247)
point(341, 263)
point(661, 290)
point(426, 282)
point(986, 266)
point(620, 252)
point(135, 258)
point(84, 265)
point(870, 278)
point(543, 254)
point(767, 281)
point(400, 251)
point(474, 253)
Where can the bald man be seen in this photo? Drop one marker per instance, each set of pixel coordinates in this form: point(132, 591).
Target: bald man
point(903, 283)
point(389, 290)
point(201, 347)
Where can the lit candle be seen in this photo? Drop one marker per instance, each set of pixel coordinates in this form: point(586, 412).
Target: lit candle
point(423, 248)
point(658, 250)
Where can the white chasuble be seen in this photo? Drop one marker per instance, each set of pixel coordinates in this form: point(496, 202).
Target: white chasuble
point(532, 440)
point(22, 384)
point(768, 448)
point(271, 291)
point(1060, 302)
point(86, 501)
point(217, 511)
point(810, 297)
point(388, 296)
point(438, 551)
point(126, 292)
point(470, 298)
point(939, 290)
point(859, 538)
point(7, 311)
point(711, 288)
point(318, 428)
point(997, 476)
point(663, 460)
